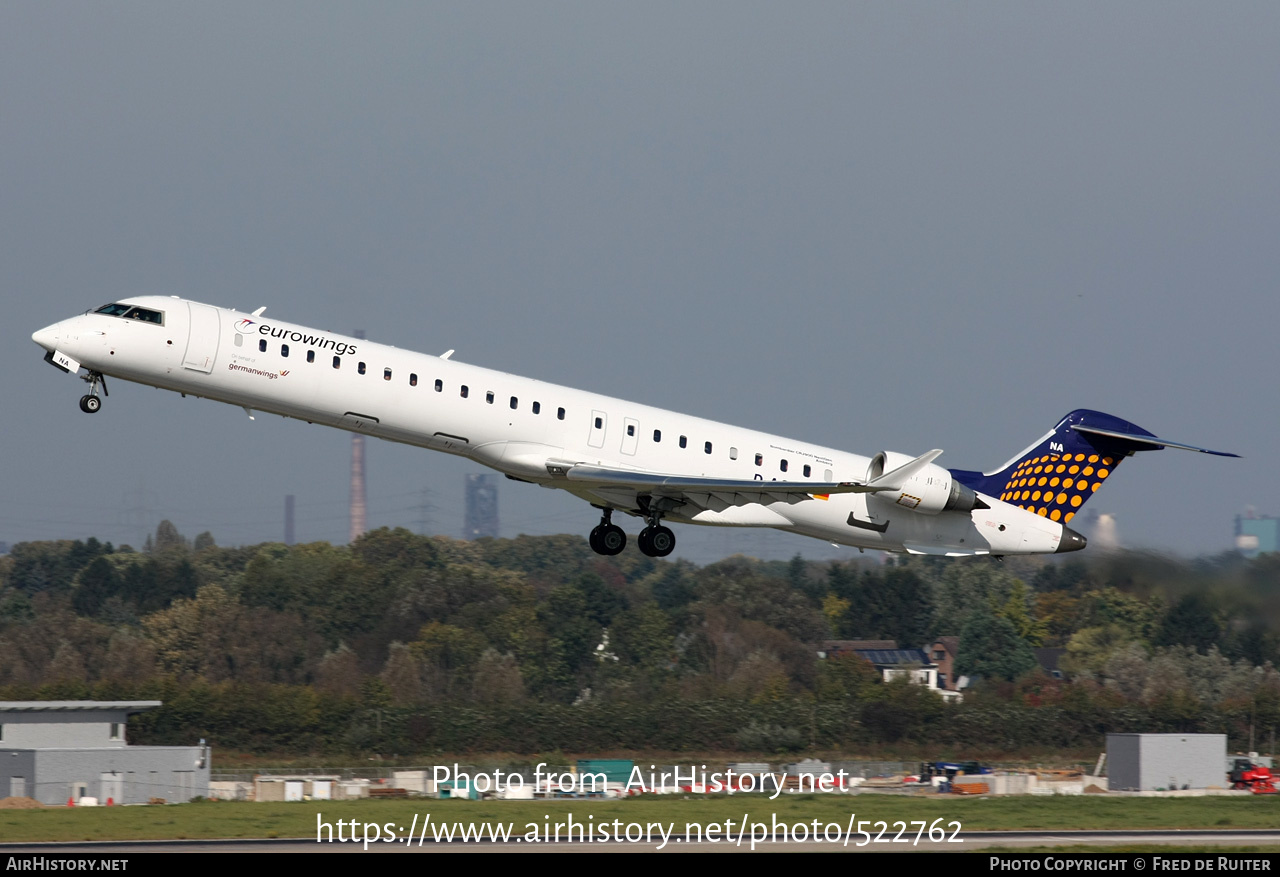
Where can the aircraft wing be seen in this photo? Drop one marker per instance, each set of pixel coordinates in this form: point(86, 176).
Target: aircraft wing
point(727, 490)
point(720, 492)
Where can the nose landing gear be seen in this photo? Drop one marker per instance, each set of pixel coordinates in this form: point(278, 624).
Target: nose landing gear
point(90, 403)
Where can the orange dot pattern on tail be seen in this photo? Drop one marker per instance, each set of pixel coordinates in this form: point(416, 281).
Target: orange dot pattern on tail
point(1070, 479)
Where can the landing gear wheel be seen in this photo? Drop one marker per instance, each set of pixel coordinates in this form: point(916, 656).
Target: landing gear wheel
point(607, 539)
point(657, 541)
point(91, 403)
point(612, 539)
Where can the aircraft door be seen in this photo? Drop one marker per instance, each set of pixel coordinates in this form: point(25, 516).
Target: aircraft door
point(630, 435)
point(202, 342)
point(599, 421)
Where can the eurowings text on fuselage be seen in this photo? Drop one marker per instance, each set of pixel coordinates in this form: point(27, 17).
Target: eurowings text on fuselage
point(653, 464)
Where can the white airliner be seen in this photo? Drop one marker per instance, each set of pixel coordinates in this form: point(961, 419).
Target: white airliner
point(619, 456)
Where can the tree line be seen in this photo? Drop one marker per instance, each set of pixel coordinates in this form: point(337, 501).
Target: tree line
point(400, 643)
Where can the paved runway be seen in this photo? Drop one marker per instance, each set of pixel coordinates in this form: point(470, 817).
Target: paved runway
point(971, 841)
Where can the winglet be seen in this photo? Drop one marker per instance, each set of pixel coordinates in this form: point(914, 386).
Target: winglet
point(258, 312)
point(898, 478)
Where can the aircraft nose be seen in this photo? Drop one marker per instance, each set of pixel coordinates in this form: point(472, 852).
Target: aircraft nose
point(1071, 541)
point(46, 337)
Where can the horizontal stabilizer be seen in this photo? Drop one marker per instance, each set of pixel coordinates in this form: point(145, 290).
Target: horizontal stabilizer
point(1151, 442)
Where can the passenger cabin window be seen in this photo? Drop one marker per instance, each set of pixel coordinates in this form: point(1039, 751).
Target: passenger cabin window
point(514, 403)
point(537, 407)
point(684, 441)
point(759, 459)
point(413, 379)
point(706, 448)
point(464, 391)
point(657, 435)
point(807, 469)
point(386, 374)
point(488, 397)
point(631, 429)
point(599, 422)
point(559, 414)
point(238, 341)
point(360, 367)
point(783, 465)
point(337, 362)
point(311, 356)
point(284, 349)
point(439, 386)
point(733, 453)
point(262, 345)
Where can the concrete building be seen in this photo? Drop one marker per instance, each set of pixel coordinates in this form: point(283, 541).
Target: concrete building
point(1147, 762)
point(55, 750)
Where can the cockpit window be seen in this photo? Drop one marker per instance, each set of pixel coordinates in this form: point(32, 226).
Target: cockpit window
point(146, 316)
point(131, 312)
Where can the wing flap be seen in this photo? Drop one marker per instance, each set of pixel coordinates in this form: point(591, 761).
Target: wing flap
point(653, 482)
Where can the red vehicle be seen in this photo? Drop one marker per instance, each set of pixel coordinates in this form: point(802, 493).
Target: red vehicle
point(1255, 777)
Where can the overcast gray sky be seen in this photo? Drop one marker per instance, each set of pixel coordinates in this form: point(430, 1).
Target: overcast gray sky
point(875, 226)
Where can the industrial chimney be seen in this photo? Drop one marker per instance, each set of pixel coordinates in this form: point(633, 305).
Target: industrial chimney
point(359, 522)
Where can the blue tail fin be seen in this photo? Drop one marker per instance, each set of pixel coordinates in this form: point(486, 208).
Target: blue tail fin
point(1059, 472)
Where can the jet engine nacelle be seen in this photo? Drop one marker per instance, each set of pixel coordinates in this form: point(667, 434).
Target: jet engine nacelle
point(929, 490)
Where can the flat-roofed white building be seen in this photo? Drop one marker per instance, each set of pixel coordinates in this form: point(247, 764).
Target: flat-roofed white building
point(60, 750)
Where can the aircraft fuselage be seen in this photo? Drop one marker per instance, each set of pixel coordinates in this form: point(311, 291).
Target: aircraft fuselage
point(519, 426)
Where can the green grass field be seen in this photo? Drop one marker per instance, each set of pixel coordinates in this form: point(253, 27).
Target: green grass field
point(248, 820)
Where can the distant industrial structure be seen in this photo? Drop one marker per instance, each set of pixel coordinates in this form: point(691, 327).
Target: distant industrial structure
point(481, 507)
point(359, 510)
point(1256, 534)
point(1104, 533)
point(60, 751)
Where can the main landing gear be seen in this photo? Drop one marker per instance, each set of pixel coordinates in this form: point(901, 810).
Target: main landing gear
point(90, 403)
point(656, 540)
point(608, 538)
